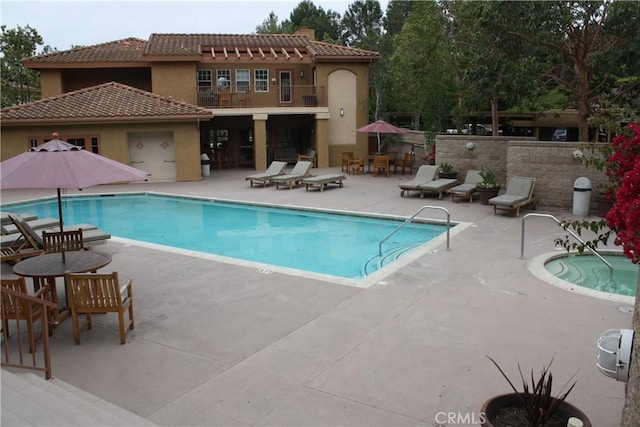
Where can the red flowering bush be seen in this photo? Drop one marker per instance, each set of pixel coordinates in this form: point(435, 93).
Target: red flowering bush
point(623, 170)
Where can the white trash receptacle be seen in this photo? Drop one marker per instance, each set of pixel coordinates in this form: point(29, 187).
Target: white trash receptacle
point(205, 162)
point(581, 196)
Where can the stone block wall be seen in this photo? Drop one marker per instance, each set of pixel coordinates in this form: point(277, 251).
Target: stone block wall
point(552, 163)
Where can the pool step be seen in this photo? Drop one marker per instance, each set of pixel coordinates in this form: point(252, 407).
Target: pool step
point(377, 262)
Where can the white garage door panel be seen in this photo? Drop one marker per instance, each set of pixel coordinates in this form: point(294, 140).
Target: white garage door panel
point(154, 153)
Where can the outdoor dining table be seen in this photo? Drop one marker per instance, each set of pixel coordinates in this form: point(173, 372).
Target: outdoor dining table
point(44, 269)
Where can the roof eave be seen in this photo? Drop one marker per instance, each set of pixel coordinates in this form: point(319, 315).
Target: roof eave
point(100, 120)
point(82, 65)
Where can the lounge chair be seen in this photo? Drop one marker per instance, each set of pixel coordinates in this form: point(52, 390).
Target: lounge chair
point(425, 174)
point(321, 181)
point(7, 240)
point(519, 193)
point(468, 187)
point(90, 236)
point(26, 244)
point(35, 224)
point(4, 217)
point(437, 186)
point(297, 174)
point(275, 168)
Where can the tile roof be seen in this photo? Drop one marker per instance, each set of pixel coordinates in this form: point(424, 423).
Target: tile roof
point(125, 50)
point(134, 50)
point(106, 102)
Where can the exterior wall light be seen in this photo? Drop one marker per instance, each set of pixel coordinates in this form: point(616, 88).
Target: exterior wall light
point(614, 353)
point(341, 111)
point(302, 74)
point(470, 145)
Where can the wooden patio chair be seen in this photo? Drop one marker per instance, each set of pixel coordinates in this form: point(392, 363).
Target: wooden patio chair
point(57, 241)
point(347, 157)
point(16, 308)
point(380, 163)
point(91, 293)
point(309, 155)
point(407, 162)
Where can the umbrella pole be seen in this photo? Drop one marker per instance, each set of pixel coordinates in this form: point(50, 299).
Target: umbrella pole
point(379, 143)
point(64, 258)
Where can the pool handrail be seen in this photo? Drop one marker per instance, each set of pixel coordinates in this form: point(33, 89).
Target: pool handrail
point(408, 220)
point(574, 235)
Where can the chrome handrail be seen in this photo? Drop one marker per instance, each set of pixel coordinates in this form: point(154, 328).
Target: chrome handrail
point(408, 220)
point(574, 235)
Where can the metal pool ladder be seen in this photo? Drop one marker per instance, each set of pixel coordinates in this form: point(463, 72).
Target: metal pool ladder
point(574, 235)
point(408, 220)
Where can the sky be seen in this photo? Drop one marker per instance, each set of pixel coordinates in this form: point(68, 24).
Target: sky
point(62, 24)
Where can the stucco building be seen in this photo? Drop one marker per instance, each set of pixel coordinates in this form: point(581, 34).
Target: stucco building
point(244, 100)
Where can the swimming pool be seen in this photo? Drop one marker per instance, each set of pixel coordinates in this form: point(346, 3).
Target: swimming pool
point(587, 274)
point(331, 243)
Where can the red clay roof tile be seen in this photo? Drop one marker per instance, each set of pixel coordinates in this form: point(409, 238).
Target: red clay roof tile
point(126, 50)
point(179, 45)
point(106, 102)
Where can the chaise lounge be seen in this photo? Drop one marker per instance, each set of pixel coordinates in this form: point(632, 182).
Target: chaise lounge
point(437, 186)
point(275, 168)
point(519, 193)
point(297, 174)
point(321, 181)
point(28, 242)
point(425, 174)
point(468, 187)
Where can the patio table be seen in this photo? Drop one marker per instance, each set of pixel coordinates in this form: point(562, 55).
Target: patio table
point(45, 268)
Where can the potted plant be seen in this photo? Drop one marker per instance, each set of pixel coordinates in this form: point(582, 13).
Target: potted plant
point(446, 171)
point(489, 186)
point(534, 406)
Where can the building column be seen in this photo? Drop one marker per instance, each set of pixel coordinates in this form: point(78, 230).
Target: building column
point(322, 140)
point(260, 141)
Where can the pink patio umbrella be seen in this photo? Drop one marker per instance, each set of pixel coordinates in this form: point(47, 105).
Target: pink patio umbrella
point(58, 164)
point(380, 126)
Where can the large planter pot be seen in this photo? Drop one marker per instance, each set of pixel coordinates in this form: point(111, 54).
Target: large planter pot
point(487, 193)
point(491, 407)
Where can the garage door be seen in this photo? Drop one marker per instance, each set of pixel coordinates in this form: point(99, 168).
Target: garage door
point(154, 153)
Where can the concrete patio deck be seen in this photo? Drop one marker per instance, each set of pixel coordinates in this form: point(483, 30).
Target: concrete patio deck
point(222, 344)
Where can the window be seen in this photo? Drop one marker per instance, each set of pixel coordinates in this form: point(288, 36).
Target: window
point(243, 80)
point(78, 142)
point(223, 79)
point(261, 81)
point(87, 142)
point(204, 80)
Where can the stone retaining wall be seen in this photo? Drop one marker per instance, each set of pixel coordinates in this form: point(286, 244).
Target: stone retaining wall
point(552, 163)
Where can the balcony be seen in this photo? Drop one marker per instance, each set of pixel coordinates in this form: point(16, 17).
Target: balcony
point(276, 96)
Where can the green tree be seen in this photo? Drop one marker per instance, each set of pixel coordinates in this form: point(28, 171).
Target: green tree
point(493, 68)
point(395, 16)
point(362, 24)
point(588, 38)
point(270, 25)
point(421, 66)
point(307, 15)
point(18, 83)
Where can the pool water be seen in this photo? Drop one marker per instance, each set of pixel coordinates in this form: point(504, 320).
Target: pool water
point(589, 271)
point(337, 244)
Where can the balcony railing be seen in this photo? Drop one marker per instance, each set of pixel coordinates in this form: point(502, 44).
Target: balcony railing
point(15, 349)
point(276, 96)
